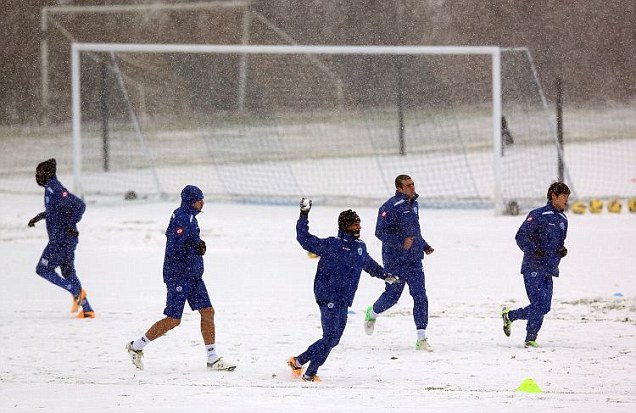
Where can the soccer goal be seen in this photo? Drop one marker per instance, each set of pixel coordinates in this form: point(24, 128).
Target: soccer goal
point(334, 123)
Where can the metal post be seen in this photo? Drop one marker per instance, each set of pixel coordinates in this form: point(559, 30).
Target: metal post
point(399, 12)
point(44, 67)
point(245, 39)
point(103, 98)
point(559, 125)
point(496, 131)
point(400, 109)
point(77, 120)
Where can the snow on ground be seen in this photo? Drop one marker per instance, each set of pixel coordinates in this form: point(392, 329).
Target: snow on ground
point(261, 281)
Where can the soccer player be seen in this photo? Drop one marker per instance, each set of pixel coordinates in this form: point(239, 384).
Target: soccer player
point(403, 249)
point(541, 237)
point(341, 262)
point(182, 274)
point(62, 211)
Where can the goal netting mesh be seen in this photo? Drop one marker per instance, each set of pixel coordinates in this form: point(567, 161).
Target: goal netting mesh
point(334, 127)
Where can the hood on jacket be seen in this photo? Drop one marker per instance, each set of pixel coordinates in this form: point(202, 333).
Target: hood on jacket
point(191, 194)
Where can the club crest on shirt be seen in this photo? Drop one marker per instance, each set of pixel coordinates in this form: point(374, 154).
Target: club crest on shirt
point(359, 250)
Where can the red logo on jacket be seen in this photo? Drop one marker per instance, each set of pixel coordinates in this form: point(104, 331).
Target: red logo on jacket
point(179, 231)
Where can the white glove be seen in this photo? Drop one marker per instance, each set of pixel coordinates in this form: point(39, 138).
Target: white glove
point(391, 279)
point(305, 205)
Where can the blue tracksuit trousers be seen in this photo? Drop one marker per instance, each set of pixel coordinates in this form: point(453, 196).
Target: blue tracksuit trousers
point(539, 290)
point(65, 259)
point(333, 321)
point(412, 275)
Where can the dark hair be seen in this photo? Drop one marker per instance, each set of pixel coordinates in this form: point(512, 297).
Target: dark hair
point(557, 188)
point(399, 179)
point(347, 218)
point(45, 171)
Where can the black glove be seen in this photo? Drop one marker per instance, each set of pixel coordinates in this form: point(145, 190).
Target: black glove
point(72, 232)
point(36, 218)
point(539, 252)
point(201, 248)
point(562, 251)
point(305, 206)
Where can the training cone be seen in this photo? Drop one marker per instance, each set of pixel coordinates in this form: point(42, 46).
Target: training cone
point(529, 386)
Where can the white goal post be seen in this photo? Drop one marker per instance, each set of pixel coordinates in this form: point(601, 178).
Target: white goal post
point(244, 50)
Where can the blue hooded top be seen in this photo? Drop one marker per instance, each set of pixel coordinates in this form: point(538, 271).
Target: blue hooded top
point(182, 236)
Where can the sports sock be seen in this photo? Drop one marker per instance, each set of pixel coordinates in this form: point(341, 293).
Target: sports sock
point(140, 343)
point(373, 314)
point(211, 350)
point(421, 334)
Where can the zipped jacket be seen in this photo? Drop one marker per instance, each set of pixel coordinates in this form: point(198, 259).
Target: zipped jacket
point(341, 262)
point(62, 211)
point(544, 229)
point(398, 219)
point(182, 236)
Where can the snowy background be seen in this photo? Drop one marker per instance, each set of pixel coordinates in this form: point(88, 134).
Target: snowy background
point(260, 281)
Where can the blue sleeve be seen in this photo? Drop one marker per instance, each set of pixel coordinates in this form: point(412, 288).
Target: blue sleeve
point(71, 208)
point(181, 237)
point(387, 227)
point(308, 241)
point(64, 209)
point(372, 267)
point(525, 235)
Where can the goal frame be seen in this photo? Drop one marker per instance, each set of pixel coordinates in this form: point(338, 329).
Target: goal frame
point(493, 51)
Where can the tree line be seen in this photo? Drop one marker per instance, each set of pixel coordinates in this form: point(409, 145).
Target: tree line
point(589, 44)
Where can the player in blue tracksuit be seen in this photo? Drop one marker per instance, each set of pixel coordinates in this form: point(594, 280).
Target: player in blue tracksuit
point(342, 260)
point(183, 276)
point(403, 249)
point(541, 237)
point(62, 211)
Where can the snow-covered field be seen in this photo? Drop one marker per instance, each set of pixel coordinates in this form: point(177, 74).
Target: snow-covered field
point(261, 280)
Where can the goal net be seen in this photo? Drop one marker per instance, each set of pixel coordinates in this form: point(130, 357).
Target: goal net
point(333, 123)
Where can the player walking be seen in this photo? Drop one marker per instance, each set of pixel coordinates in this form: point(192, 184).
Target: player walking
point(182, 274)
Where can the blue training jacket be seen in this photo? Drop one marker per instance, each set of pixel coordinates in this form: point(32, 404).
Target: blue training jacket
point(182, 236)
point(398, 219)
point(544, 228)
point(342, 260)
point(62, 211)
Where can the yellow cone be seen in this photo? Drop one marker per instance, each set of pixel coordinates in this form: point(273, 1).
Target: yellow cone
point(529, 386)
